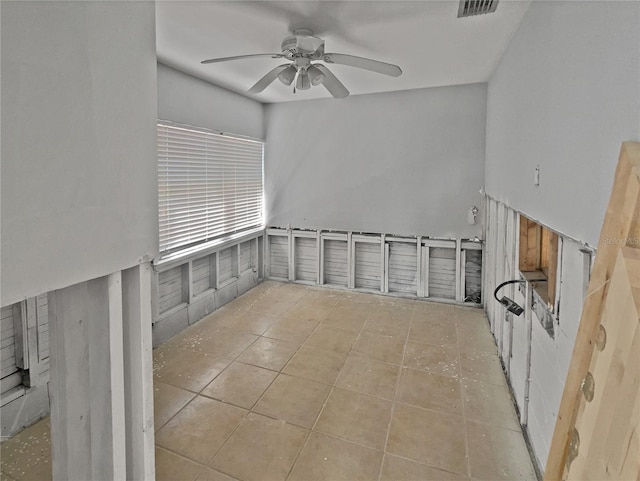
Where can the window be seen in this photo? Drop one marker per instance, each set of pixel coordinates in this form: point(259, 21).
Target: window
point(209, 185)
point(539, 257)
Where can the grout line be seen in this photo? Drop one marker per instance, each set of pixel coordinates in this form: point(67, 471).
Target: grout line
point(462, 401)
point(395, 394)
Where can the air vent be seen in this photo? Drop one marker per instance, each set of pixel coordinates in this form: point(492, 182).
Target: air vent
point(469, 8)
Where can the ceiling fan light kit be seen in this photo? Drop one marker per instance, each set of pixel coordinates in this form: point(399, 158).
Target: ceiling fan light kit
point(301, 49)
point(287, 75)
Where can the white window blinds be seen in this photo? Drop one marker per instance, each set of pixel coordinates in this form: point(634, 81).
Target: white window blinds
point(209, 185)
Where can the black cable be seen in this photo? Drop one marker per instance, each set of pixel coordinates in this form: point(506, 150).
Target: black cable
point(513, 281)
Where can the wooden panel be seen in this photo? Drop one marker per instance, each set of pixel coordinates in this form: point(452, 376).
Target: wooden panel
point(442, 272)
point(306, 259)
point(244, 263)
point(9, 382)
point(403, 267)
point(170, 289)
point(472, 275)
point(530, 237)
point(279, 256)
point(620, 456)
point(608, 425)
point(225, 266)
point(8, 349)
point(336, 267)
point(201, 275)
point(42, 315)
point(6, 321)
point(368, 264)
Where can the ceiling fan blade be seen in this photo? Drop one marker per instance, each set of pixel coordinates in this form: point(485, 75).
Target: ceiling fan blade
point(365, 63)
point(331, 83)
point(240, 57)
point(265, 81)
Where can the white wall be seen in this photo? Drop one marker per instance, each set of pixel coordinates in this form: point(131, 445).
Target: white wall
point(407, 162)
point(189, 100)
point(565, 95)
point(79, 194)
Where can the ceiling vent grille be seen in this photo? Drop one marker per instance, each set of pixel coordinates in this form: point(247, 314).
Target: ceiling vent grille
point(469, 8)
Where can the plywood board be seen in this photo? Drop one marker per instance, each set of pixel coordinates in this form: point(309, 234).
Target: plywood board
point(607, 424)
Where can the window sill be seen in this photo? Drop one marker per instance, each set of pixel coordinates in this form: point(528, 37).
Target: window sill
point(167, 261)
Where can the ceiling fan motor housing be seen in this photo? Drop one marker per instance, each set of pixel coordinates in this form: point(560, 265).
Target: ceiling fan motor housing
point(302, 42)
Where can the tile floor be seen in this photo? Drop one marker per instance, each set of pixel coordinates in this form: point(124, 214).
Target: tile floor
point(296, 383)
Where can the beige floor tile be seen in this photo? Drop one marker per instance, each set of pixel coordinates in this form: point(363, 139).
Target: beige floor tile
point(289, 329)
point(6, 477)
point(488, 403)
point(199, 429)
point(295, 400)
point(315, 364)
point(382, 348)
point(240, 384)
point(441, 360)
point(277, 305)
point(324, 458)
point(204, 326)
point(483, 367)
point(434, 334)
point(167, 401)
point(348, 318)
point(208, 474)
point(474, 334)
point(496, 453)
point(481, 344)
point(172, 467)
point(269, 353)
point(221, 342)
point(351, 298)
point(308, 311)
point(249, 321)
point(331, 339)
point(261, 449)
point(395, 304)
point(189, 370)
point(388, 312)
point(396, 469)
point(367, 376)
point(356, 417)
point(245, 302)
point(430, 391)
point(27, 455)
point(321, 295)
point(379, 322)
point(438, 313)
point(325, 304)
point(165, 353)
point(429, 437)
point(266, 287)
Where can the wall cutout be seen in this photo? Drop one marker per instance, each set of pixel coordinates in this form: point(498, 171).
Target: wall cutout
point(539, 257)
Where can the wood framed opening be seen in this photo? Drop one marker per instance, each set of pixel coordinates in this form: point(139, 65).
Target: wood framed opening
point(539, 258)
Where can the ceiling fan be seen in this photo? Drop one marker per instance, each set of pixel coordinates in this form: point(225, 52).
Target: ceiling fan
point(305, 52)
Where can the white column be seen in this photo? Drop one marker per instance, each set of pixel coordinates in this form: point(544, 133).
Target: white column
point(87, 388)
point(138, 372)
point(102, 378)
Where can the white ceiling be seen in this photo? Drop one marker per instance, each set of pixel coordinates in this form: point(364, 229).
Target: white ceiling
point(425, 38)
